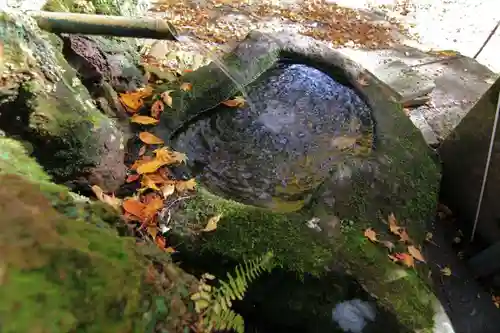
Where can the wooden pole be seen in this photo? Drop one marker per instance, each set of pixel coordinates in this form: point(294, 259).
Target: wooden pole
point(118, 26)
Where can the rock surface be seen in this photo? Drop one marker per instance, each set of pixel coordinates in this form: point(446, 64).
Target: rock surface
point(44, 103)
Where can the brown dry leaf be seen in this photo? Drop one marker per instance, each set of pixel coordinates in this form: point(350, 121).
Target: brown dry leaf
point(157, 108)
point(235, 102)
point(415, 253)
point(212, 223)
point(371, 235)
point(186, 86)
point(150, 139)
point(108, 199)
point(393, 224)
point(142, 150)
point(446, 271)
point(185, 185)
point(389, 245)
point(132, 101)
point(404, 237)
point(167, 99)
point(167, 190)
point(132, 178)
point(134, 207)
point(144, 120)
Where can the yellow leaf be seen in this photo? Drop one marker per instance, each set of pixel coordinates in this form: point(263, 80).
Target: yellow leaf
point(446, 271)
point(186, 86)
point(108, 199)
point(167, 190)
point(167, 99)
point(393, 226)
point(185, 185)
point(148, 183)
point(153, 231)
point(150, 139)
point(235, 102)
point(168, 156)
point(132, 101)
point(371, 235)
point(428, 237)
point(170, 250)
point(144, 120)
point(415, 253)
point(212, 223)
point(150, 166)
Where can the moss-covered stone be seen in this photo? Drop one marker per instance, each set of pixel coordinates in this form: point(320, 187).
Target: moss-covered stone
point(399, 176)
point(49, 107)
point(65, 270)
point(102, 7)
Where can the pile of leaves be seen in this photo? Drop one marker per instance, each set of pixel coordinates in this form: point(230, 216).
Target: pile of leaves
point(318, 19)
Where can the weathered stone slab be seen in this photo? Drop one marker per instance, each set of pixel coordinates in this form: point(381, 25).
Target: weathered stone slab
point(464, 155)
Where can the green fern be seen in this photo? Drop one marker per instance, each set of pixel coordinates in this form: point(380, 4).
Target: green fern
point(215, 304)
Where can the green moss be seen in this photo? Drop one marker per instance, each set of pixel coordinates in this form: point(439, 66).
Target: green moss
point(246, 231)
point(102, 7)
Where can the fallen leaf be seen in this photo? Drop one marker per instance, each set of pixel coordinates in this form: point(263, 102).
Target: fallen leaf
point(235, 102)
point(371, 235)
point(167, 99)
point(393, 226)
point(153, 231)
point(415, 253)
point(446, 271)
point(393, 258)
point(496, 300)
point(404, 237)
point(186, 86)
point(170, 250)
point(388, 244)
point(144, 120)
point(157, 108)
point(212, 223)
point(134, 207)
point(405, 259)
point(142, 150)
point(132, 101)
point(167, 190)
point(168, 156)
point(150, 166)
point(132, 178)
point(130, 218)
point(150, 139)
point(148, 183)
point(108, 199)
point(153, 206)
point(160, 242)
point(141, 161)
point(185, 185)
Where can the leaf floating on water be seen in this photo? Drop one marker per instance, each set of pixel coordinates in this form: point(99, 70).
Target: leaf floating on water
point(144, 120)
point(446, 271)
point(186, 86)
point(371, 235)
point(235, 102)
point(167, 99)
point(150, 139)
point(108, 199)
point(185, 185)
point(157, 108)
point(212, 223)
point(415, 253)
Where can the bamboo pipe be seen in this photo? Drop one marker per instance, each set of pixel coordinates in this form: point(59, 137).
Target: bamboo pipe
point(118, 26)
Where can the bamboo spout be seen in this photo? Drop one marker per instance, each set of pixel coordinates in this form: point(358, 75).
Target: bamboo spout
point(118, 26)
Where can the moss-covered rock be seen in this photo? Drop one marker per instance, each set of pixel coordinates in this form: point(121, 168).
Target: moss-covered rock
point(102, 7)
point(326, 231)
point(46, 105)
point(65, 270)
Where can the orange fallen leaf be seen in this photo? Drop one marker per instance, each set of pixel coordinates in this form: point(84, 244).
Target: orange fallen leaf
point(405, 259)
point(130, 218)
point(186, 86)
point(150, 166)
point(167, 99)
point(153, 231)
point(415, 253)
point(157, 108)
point(160, 242)
point(132, 101)
point(132, 178)
point(158, 178)
point(134, 207)
point(108, 199)
point(235, 102)
point(141, 161)
point(393, 226)
point(150, 139)
point(153, 206)
point(144, 120)
point(185, 185)
point(371, 235)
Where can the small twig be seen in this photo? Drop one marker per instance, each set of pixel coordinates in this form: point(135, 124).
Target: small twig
point(487, 40)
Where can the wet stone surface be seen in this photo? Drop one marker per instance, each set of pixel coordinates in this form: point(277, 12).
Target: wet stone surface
point(299, 126)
